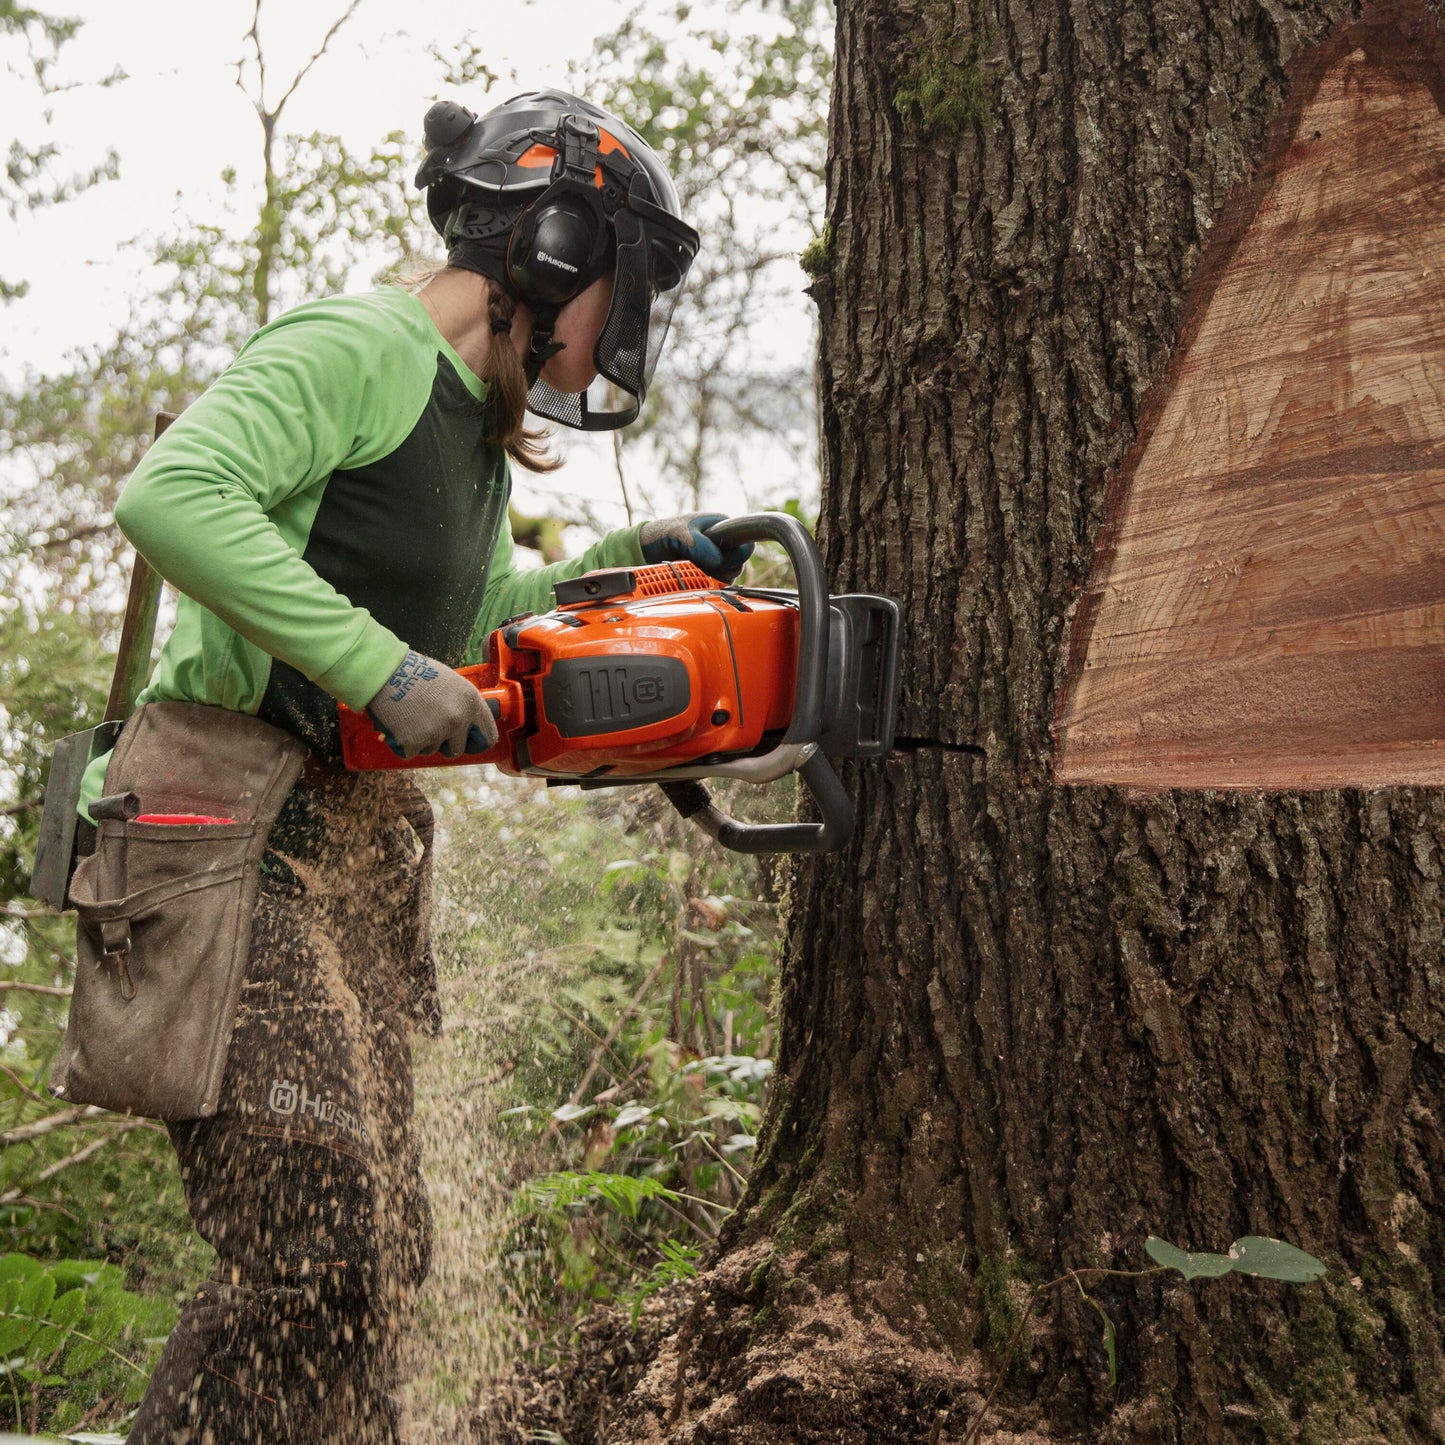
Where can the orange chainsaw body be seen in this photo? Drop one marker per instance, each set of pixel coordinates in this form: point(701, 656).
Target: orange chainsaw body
point(637, 670)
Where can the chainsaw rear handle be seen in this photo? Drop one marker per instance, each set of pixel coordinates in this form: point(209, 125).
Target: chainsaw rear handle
point(810, 688)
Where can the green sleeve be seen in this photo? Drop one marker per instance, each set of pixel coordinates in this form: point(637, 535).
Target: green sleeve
point(511, 592)
point(222, 503)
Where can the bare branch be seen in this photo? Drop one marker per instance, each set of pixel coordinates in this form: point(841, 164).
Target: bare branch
point(37, 937)
point(255, 36)
point(30, 1203)
point(621, 479)
point(42, 542)
point(24, 1087)
point(605, 1045)
point(16, 984)
point(25, 805)
point(11, 910)
point(13, 1196)
point(37, 1128)
point(301, 74)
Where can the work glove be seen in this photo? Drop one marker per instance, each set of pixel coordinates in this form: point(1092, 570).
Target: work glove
point(685, 539)
point(425, 707)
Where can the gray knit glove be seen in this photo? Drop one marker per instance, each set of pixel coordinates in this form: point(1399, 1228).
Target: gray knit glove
point(685, 539)
point(425, 707)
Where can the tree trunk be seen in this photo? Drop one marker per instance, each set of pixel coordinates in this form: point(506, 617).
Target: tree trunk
point(1025, 1026)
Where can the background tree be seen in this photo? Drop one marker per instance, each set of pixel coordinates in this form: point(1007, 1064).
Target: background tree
point(30, 44)
point(1023, 1027)
point(741, 117)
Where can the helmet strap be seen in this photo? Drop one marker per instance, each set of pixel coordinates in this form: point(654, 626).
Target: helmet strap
point(543, 348)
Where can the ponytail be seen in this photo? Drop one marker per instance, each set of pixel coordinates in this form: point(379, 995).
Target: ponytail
point(508, 380)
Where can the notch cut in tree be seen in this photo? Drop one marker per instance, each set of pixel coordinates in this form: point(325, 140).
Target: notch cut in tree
point(1268, 602)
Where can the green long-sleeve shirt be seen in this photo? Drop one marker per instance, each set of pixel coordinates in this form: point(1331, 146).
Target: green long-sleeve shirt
point(328, 503)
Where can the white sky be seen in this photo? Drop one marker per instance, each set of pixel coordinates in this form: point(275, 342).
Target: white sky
point(179, 119)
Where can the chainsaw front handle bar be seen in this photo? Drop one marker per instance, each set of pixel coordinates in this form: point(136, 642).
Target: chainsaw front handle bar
point(692, 801)
point(799, 749)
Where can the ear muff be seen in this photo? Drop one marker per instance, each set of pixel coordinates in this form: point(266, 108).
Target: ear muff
point(555, 249)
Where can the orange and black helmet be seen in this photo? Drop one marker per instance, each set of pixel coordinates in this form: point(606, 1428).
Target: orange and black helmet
point(545, 194)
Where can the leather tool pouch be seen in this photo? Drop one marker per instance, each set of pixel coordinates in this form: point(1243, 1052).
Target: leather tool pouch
point(165, 909)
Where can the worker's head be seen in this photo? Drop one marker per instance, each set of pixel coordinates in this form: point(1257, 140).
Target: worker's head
point(572, 217)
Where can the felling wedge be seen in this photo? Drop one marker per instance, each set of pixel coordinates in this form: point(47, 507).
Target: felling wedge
point(662, 675)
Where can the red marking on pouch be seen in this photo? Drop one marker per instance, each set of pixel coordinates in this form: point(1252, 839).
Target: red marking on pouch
point(177, 818)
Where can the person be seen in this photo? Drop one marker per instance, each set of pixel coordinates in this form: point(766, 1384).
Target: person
point(333, 513)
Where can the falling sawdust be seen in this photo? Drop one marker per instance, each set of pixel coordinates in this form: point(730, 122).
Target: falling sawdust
point(469, 1324)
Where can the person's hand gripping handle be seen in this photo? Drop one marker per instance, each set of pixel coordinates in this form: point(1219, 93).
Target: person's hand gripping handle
point(685, 539)
point(426, 707)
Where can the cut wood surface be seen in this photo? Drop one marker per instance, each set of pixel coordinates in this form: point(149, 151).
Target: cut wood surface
point(1268, 605)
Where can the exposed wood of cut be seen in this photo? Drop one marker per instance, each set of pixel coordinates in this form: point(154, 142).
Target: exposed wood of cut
point(1268, 607)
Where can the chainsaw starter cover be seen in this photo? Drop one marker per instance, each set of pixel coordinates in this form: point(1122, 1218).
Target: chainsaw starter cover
point(584, 697)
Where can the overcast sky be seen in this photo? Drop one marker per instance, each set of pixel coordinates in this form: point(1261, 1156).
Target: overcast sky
point(179, 119)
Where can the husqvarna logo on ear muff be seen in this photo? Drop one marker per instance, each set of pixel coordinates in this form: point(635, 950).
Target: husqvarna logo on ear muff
point(552, 260)
point(585, 696)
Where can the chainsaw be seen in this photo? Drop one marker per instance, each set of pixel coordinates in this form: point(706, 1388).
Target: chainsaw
point(661, 674)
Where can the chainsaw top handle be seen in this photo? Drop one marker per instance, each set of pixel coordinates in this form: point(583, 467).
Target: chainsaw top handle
point(809, 695)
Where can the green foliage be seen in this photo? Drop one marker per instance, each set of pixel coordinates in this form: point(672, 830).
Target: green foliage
point(1253, 1255)
point(640, 1057)
point(331, 213)
point(30, 44)
point(573, 1187)
point(677, 1265)
point(1191, 1266)
point(76, 1344)
point(942, 75)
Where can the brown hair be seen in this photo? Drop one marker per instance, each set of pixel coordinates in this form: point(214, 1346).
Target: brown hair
point(526, 446)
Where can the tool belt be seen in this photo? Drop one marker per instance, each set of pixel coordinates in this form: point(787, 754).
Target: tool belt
point(164, 909)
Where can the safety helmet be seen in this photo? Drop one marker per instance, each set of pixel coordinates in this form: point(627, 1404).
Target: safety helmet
point(556, 193)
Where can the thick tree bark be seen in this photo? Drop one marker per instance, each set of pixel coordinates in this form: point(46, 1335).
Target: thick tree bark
point(1025, 1026)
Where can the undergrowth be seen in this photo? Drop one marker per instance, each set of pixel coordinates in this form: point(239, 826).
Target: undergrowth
point(626, 1022)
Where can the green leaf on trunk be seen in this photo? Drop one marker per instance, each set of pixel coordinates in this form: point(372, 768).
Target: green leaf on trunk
point(1191, 1266)
point(1274, 1259)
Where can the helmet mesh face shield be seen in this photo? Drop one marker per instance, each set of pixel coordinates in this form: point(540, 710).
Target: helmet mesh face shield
point(653, 253)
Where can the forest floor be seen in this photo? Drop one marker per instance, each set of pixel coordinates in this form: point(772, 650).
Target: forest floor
point(681, 1367)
